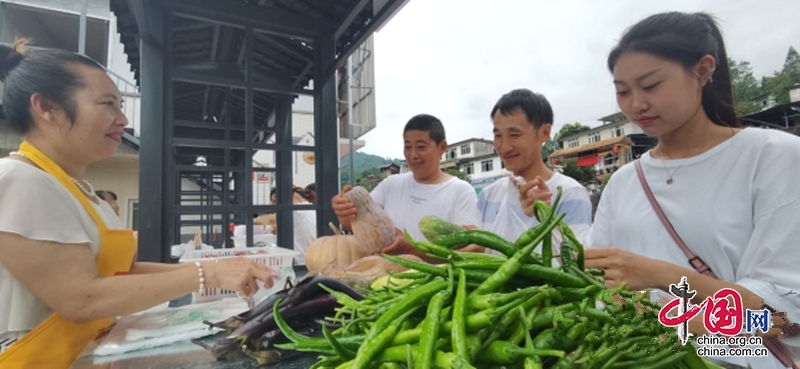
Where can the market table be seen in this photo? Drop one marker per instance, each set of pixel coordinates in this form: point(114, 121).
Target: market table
point(182, 355)
point(187, 355)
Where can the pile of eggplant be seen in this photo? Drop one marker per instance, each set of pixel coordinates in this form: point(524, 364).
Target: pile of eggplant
point(254, 332)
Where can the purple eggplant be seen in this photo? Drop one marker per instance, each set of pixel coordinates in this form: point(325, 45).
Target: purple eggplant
point(257, 327)
point(306, 289)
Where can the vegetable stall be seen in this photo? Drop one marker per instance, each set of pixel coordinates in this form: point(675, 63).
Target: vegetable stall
point(525, 306)
point(470, 310)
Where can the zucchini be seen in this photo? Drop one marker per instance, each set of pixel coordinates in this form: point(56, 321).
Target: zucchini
point(433, 227)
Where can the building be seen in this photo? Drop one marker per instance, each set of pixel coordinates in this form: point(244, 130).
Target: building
point(477, 159)
point(785, 117)
point(389, 169)
point(606, 147)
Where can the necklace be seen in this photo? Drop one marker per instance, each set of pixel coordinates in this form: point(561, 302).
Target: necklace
point(663, 162)
point(670, 180)
point(88, 192)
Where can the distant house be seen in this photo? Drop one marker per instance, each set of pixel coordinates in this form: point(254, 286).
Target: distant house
point(785, 117)
point(612, 144)
point(389, 169)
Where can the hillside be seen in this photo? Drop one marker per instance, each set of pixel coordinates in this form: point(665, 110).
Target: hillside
point(363, 162)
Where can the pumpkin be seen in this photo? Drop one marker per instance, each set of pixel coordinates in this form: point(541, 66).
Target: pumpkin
point(329, 253)
point(372, 226)
point(363, 272)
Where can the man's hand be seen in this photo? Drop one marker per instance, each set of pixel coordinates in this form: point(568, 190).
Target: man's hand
point(531, 191)
point(472, 248)
point(345, 210)
point(400, 246)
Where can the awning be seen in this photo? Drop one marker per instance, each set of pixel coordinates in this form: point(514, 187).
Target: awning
point(588, 161)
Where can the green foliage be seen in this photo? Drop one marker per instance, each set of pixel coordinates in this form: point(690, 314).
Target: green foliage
point(363, 164)
point(779, 83)
point(548, 148)
point(457, 173)
point(580, 174)
point(746, 88)
point(567, 130)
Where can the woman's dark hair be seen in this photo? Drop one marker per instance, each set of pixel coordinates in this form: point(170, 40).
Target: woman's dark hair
point(686, 38)
point(306, 194)
point(48, 72)
point(535, 106)
point(427, 123)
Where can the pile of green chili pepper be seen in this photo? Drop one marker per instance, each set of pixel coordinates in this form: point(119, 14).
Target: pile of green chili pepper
point(487, 311)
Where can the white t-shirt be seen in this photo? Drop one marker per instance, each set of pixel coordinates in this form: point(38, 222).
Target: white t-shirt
point(36, 206)
point(502, 214)
point(407, 201)
point(305, 232)
point(737, 206)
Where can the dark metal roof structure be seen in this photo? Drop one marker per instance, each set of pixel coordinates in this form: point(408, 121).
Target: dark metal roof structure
point(217, 80)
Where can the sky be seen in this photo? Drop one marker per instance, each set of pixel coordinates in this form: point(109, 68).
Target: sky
point(454, 58)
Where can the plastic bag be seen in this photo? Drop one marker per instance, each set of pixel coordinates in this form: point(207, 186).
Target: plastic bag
point(166, 326)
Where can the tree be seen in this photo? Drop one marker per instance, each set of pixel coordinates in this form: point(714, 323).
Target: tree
point(548, 148)
point(580, 174)
point(779, 84)
point(569, 129)
point(457, 173)
point(792, 65)
point(746, 88)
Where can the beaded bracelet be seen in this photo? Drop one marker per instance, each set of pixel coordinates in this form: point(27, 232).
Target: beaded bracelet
point(202, 277)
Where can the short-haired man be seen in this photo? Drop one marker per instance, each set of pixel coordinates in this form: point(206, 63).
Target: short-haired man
point(425, 190)
point(522, 121)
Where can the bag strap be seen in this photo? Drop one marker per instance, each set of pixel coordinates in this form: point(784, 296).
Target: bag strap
point(700, 266)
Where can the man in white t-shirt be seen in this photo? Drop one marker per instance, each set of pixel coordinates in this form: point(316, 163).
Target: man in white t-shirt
point(522, 120)
point(425, 190)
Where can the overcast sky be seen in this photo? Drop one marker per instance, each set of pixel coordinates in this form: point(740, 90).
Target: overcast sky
point(455, 58)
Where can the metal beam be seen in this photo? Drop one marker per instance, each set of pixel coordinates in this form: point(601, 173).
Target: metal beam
point(146, 21)
point(230, 70)
point(326, 135)
point(152, 231)
point(260, 18)
point(280, 45)
point(228, 81)
point(383, 16)
point(349, 17)
point(283, 169)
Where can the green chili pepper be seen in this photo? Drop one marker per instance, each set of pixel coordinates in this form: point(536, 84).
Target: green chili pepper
point(458, 336)
point(511, 266)
point(430, 326)
point(477, 237)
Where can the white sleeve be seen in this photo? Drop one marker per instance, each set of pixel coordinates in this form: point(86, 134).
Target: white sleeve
point(378, 193)
point(37, 207)
point(465, 210)
point(599, 234)
point(768, 265)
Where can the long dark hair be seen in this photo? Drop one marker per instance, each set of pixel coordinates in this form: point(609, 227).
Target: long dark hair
point(48, 72)
point(686, 38)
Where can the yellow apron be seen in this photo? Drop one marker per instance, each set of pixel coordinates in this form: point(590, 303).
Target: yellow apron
point(57, 342)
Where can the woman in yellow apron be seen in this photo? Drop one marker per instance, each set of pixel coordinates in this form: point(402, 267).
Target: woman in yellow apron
point(65, 272)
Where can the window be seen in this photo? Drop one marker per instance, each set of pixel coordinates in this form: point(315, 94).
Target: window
point(464, 149)
point(469, 169)
point(133, 214)
point(487, 166)
point(618, 131)
point(502, 165)
point(451, 154)
point(609, 160)
point(594, 137)
point(573, 143)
